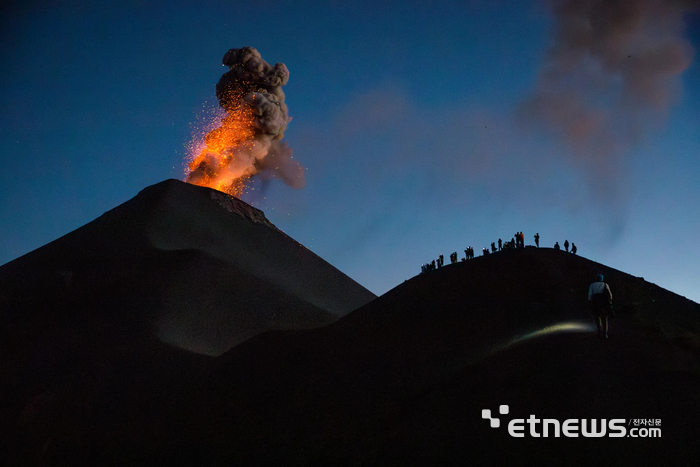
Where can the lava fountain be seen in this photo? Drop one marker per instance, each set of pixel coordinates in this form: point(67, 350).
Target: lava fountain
point(247, 142)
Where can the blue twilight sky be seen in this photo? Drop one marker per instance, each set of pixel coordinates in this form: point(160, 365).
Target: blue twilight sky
point(410, 118)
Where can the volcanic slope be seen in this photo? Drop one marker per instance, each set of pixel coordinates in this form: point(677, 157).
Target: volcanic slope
point(404, 379)
point(202, 269)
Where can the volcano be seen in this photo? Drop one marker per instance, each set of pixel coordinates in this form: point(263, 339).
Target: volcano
point(401, 380)
point(203, 270)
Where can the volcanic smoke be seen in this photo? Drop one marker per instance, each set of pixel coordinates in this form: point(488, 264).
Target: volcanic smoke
point(610, 75)
point(248, 140)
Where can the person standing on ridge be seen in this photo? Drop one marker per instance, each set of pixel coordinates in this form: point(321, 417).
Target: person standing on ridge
point(500, 244)
point(573, 248)
point(556, 246)
point(537, 239)
point(601, 302)
point(566, 245)
point(522, 240)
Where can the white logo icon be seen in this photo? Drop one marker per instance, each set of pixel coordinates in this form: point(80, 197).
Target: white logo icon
point(495, 422)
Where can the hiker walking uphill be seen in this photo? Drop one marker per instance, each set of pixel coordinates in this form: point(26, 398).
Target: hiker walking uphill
point(601, 302)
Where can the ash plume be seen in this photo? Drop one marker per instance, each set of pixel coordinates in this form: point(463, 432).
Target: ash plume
point(609, 77)
point(248, 140)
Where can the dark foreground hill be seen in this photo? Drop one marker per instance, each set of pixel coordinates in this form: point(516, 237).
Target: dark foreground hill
point(202, 270)
point(402, 380)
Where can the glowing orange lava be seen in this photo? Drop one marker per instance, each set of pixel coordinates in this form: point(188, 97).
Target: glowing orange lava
point(220, 159)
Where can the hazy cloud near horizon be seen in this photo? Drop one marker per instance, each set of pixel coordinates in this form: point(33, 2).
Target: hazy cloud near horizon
point(606, 81)
point(467, 158)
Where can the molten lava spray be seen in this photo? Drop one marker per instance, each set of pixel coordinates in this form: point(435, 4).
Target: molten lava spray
point(248, 140)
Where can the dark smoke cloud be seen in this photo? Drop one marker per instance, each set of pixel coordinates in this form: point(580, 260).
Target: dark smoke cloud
point(253, 88)
point(259, 85)
point(610, 75)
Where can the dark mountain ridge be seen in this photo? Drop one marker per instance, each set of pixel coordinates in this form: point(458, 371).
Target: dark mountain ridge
point(401, 380)
point(358, 391)
point(201, 269)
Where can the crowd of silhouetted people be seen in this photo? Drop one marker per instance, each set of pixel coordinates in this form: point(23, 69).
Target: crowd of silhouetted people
point(566, 246)
point(517, 242)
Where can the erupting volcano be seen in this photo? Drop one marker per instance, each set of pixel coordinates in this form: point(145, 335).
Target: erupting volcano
point(248, 140)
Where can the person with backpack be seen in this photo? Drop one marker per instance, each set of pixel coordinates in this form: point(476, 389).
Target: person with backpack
point(600, 297)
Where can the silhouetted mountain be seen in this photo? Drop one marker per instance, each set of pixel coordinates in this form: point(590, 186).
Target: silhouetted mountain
point(401, 380)
point(204, 270)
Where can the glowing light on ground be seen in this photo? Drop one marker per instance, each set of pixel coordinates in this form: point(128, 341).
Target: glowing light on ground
point(573, 326)
point(478, 355)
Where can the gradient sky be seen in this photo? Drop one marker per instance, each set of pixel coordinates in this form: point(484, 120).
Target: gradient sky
point(406, 115)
